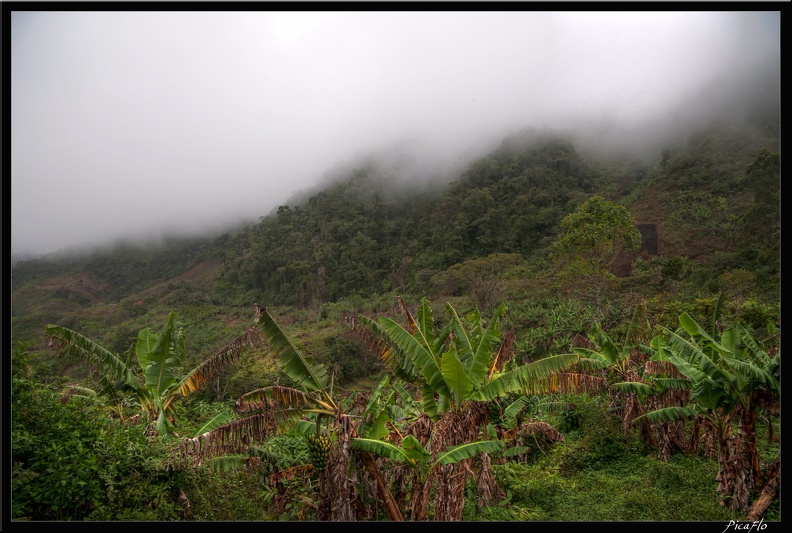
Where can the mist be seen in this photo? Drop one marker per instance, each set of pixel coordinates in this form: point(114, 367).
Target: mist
point(139, 125)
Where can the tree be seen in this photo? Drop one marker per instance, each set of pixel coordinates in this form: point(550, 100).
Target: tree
point(481, 277)
point(161, 359)
point(592, 236)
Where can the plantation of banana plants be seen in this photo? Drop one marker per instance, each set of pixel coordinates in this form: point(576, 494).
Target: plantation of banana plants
point(459, 425)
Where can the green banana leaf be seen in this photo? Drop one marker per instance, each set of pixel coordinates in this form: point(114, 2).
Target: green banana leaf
point(641, 389)
point(383, 449)
point(522, 378)
point(459, 383)
point(299, 367)
point(470, 449)
point(667, 414)
point(416, 352)
point(111, 366)
point(477, 345)
point(220, 419)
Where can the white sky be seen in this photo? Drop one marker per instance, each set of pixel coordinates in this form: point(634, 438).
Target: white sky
point(128, 124)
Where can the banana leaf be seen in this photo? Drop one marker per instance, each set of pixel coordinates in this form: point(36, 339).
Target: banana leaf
point(470, 449)
point(220, 419)
point(299, 367)
point(459, 383)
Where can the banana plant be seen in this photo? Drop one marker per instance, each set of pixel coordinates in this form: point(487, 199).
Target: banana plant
point(756, 374)
point(457, 365)
point(458, 369)
point(726, 377)
point(309, 406)
point(616, 359)
point(516, 420)
point(611, 354)
point(412, 453)
point(425, 465)
point(389, 403)
point(273, 408)
point(161, 359)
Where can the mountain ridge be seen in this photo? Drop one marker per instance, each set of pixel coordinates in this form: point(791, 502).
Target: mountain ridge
point(351, 239)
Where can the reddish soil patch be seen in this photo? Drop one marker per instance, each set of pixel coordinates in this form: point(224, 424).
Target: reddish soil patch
point(85, 283)
point(200, 271)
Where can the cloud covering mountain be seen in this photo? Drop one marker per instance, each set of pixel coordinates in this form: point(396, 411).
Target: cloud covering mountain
point(133, 124)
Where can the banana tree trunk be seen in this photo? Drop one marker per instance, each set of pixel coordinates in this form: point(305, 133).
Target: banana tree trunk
point(450, 500)
point(664, 444)
point(733, 476)
point(453, 429)
point(488, 487)
point(695, 434)
point(710, 439)
point(419, 500)
point(633, 409)
point(647, 434)
point(768, 493)
point(336, 490)
point(382, 487)
point(747, 434)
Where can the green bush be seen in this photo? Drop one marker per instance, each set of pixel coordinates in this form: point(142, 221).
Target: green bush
point(238, 495)
point(630, 487)
point(349, 360)
point(759, 316)
point(72, 462)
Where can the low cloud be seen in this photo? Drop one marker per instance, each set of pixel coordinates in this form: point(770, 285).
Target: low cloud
point(130, 125)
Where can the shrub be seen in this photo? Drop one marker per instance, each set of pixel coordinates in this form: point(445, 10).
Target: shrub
point(349, 360)
point(72, 462)
point(758, 316)
point(239, 495)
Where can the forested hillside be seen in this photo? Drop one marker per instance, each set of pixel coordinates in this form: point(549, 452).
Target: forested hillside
point(692, 230)
point(714, 203)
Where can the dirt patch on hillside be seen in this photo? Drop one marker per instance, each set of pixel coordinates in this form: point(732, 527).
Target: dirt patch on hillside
point(203, 273)
point(621, 265)
point(85, 284)
point(60, 294)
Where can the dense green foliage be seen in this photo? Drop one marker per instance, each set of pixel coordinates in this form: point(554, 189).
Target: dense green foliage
point(71, 461)
point(593, 234)
point(700, 230)
point(353, 238)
